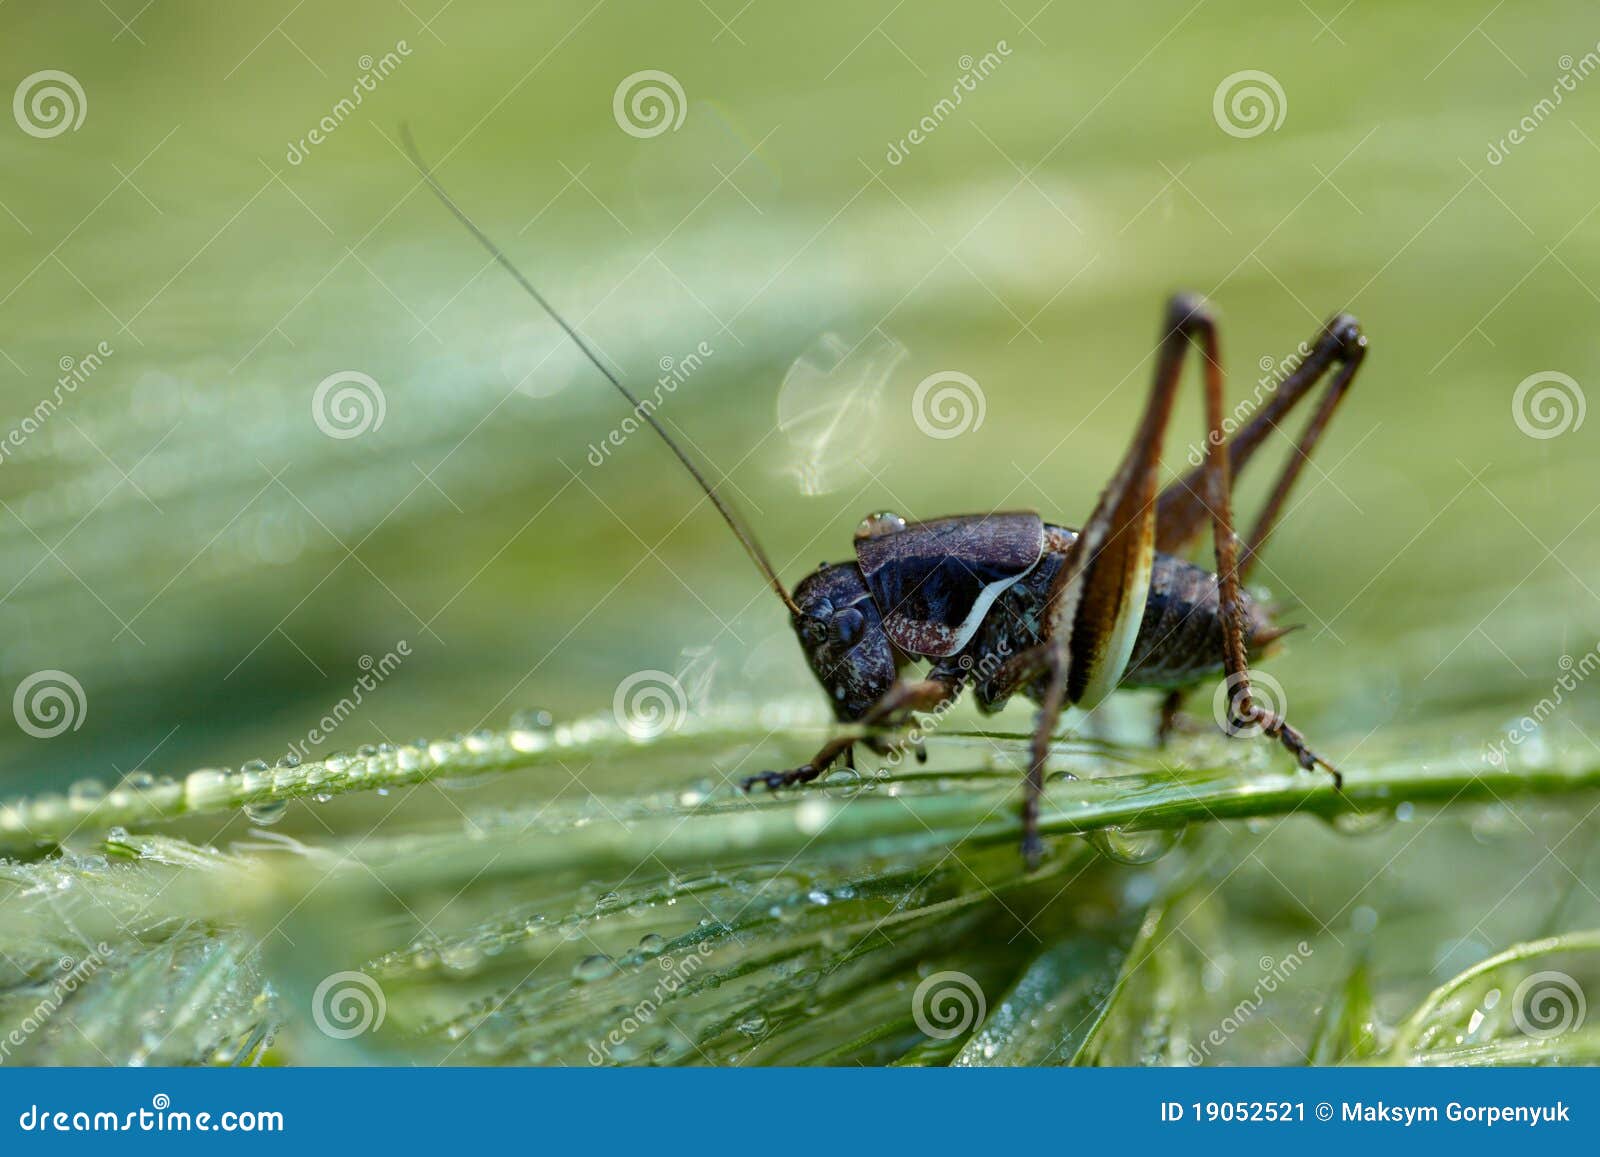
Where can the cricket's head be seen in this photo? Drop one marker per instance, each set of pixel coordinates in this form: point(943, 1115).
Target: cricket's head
point(842, 635)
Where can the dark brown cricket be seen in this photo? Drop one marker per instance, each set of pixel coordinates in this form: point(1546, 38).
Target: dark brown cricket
point(1008, 604)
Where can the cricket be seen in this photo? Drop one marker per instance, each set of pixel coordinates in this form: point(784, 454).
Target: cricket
point(1007, 603)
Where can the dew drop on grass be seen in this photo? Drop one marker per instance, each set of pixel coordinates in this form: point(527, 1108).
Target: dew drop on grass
point(754, 1025)
point(1360, 823)
point(652, 943)
point(592, 968)
point(461, 958)
point(86, 792)
point(267, 812)
point(1134, 847)
point(696, 793)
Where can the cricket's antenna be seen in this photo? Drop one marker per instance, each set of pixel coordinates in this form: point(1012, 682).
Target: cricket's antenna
point(735, 523)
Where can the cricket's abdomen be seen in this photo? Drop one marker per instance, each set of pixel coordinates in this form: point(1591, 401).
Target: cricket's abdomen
point(1180, 636)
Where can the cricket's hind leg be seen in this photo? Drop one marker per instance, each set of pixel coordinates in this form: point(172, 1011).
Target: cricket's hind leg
point(1182, 508)
point(1097, 597)
point(904, 697)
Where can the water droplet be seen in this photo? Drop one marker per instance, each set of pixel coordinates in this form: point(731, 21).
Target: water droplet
point(86, 792)
point(596, 967)
point(1134, 847)
point(139, 780)
point(267, 812)
point(652, 943)
point(461, 958)
point(753, 1025)
point(845, 776)
point(1360, 823)
point(532, 720)
point(696, 793)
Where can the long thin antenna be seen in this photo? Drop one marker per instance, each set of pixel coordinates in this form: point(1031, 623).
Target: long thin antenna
point(735, 523)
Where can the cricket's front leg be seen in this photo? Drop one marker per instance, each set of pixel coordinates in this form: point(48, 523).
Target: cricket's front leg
point(904, 697)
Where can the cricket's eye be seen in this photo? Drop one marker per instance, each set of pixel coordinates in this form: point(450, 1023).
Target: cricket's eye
point(879, 524)
point(848, 625)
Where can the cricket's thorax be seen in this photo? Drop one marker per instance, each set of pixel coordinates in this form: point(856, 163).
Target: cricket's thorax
point(1179, 640)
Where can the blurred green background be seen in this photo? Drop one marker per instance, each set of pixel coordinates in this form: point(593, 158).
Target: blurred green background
point(183, 540)
point(212, 568)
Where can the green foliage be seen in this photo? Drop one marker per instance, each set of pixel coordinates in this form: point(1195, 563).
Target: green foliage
point(870, 919)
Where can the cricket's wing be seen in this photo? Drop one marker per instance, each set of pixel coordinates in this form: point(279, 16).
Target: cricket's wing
point(935, 581)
